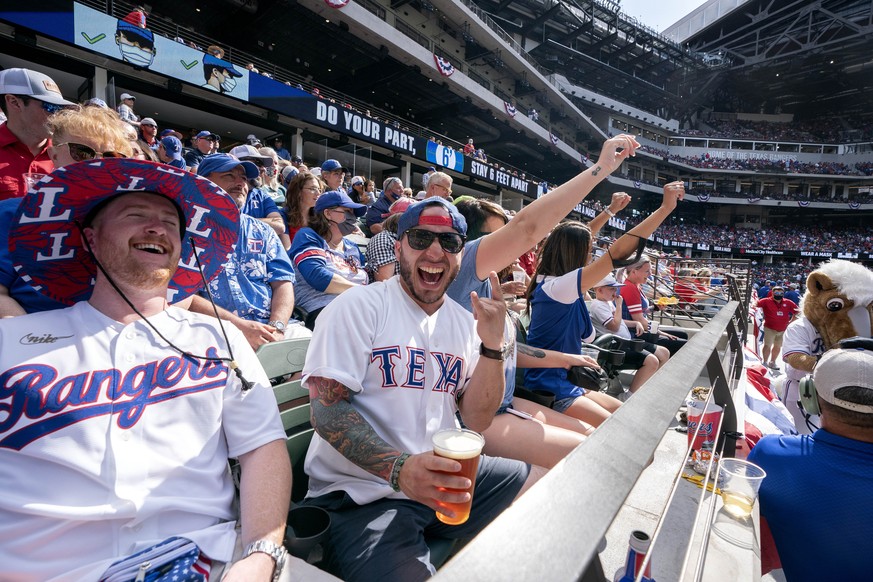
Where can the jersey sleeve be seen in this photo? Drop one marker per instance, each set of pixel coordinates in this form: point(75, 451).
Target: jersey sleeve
point(310, 259)
point(341, 351)
point(249, 419)
point(279, 266)
point(632, 299)
point(601, 315)
point(565, 289)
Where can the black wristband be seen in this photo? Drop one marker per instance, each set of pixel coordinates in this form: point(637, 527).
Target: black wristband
point(492, 354)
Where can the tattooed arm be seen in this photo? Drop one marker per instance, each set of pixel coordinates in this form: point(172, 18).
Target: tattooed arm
point(423, 477)
point(337, 422)
point(500, 248)
point(530, 357)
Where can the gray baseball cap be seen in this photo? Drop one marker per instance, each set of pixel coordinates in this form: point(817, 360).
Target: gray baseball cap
point(31, 84)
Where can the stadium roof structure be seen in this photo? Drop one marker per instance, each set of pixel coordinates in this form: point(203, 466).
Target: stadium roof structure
point(807, 58)
point(802, 57)
point(596, 46)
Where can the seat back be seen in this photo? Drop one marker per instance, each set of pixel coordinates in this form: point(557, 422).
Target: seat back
point(281, 360)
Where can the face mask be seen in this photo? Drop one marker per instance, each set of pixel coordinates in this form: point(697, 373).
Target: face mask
point(777, 296)
point(347, 226)
point(271, 171)
point(136, 55)
point(229, 84)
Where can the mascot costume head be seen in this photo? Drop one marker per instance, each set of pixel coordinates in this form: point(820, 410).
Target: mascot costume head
point(839, 301)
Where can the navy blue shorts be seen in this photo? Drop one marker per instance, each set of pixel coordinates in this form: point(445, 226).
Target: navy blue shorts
point(385, 540)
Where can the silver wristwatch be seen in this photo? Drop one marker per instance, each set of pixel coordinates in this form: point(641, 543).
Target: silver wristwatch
point(280, 325)
point(275, 551)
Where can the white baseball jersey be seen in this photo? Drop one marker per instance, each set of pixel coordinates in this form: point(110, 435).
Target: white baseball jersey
point(110, 441)
point(800, 337)
point(602, 313)
point(405, 370)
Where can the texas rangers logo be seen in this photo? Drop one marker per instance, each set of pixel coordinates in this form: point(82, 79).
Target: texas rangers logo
point(450, 369)
point(35, 401)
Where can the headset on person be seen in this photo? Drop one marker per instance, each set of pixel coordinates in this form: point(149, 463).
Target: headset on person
point(808, 395)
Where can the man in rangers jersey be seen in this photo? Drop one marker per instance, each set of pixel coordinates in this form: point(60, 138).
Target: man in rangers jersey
point(410, 362)
point(802, 338)
point(120, 412)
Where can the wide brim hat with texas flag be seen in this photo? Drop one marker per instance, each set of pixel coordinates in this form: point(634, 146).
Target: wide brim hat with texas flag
point(45, 240)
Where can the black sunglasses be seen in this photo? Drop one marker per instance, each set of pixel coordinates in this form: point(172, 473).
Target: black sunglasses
point(80, 152)
point(451, 242)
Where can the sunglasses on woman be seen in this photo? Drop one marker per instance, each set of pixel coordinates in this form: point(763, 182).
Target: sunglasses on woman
point(81, 153)
point(451, 242)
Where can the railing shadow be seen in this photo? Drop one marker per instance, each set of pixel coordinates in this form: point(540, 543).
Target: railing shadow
point(553, 532)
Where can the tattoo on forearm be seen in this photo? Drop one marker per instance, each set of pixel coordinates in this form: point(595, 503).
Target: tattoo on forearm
point(595, 171)
point(532, 352)
point(337, 422)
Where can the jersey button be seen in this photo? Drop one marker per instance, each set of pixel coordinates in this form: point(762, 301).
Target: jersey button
point(130, 335)
point(125, 436)
point(129, 357)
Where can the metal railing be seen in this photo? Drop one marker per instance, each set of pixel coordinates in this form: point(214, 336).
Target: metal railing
point(553, 531)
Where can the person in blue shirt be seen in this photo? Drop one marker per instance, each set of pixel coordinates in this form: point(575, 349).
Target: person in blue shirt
point(559, 317)
point(279, 146)
point(392, 191)
point(793, 294)
point(327, 263)
point(816, 495)
point(255, 291)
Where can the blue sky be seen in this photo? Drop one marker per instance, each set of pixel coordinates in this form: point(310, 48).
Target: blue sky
point(659, 14)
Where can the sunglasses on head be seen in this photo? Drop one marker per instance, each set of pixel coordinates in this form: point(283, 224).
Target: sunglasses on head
point(451, 242)
point(80, 152)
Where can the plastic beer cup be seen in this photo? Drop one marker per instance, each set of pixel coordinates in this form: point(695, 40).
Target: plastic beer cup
point(464, 446)
point(739, 488)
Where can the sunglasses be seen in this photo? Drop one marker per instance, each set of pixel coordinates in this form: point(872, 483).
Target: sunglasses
point(47, 107)
point(80, 152)
point(420, 240)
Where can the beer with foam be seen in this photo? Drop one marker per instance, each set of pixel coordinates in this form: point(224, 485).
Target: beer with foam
point(464, 446)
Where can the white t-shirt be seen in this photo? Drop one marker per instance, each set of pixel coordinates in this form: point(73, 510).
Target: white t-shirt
point(405, 370)
point(602, 313)
point(110, 441)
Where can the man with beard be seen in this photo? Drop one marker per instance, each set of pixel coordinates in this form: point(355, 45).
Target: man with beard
point(410, 362)
point(256, 289)
point(134, 457)
point(392, 191)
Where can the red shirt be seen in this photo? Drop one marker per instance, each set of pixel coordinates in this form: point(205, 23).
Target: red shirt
point(777, 315)
point(15, 160)
point(528, 262)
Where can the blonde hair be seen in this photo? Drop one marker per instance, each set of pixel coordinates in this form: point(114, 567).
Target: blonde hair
point(98, 123)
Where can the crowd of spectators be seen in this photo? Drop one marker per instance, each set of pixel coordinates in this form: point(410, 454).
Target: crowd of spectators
point(811, 238)
point(708, 162)
point(824, 130)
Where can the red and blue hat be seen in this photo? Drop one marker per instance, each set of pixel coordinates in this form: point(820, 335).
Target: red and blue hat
point(46, 245)
point(412, 216)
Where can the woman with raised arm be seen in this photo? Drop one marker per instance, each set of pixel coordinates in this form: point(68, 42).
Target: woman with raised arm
point(522, 429)
point(556, 300)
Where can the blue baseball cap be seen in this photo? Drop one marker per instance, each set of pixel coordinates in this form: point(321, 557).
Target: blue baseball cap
point(172, 146)
point(206, 133)
point(412, 217)
point(338, 198)
point(224, 163)
point(221, 63)
point(330, 166)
